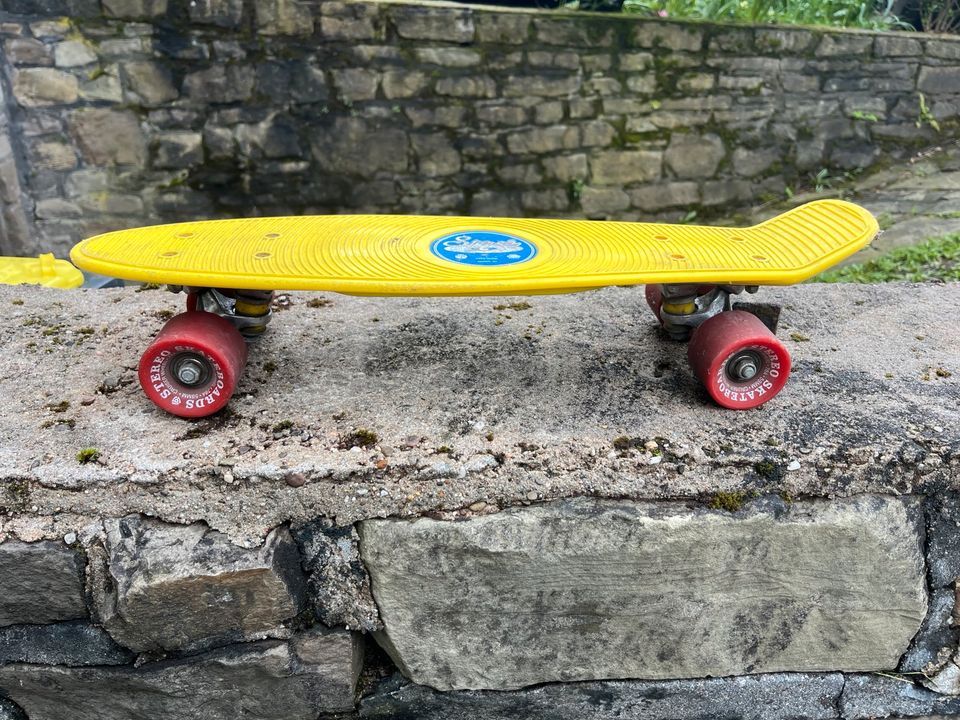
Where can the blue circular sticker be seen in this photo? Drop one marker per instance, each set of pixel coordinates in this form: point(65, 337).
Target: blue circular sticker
point(483, 247)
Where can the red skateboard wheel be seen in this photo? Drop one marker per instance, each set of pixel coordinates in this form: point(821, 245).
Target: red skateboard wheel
point(741, 363)
point(192, 366)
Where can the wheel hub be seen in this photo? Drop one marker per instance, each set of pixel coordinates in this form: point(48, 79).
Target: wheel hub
point(744, 366)
point(190, 370)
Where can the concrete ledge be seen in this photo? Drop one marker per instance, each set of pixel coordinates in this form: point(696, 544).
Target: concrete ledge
point(469, 409)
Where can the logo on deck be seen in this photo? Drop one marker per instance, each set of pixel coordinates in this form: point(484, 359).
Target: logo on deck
point(483, 247)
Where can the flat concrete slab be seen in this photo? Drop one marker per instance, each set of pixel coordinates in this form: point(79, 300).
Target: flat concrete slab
point(475, 403)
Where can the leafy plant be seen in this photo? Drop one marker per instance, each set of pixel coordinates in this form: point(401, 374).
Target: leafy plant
point(863, 115)
point(837, 13)
point(926, 117)
point(940, 16)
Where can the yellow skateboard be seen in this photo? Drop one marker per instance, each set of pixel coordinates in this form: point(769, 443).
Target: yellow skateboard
point(43, 270)
point(229, 268)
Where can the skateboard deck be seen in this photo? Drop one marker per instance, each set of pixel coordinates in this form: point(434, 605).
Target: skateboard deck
point(439, 255)
point(43, 270)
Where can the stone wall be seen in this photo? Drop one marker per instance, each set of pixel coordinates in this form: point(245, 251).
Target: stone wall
point(444, 508)
point(130, 112)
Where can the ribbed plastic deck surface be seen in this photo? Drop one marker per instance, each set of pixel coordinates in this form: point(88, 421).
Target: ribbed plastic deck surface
point(43, 270)
point(436, 255)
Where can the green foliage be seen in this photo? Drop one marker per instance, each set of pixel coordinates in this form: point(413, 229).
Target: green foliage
point(926, 117)
point(836, 13)
point(939, 16)
point(936, 259)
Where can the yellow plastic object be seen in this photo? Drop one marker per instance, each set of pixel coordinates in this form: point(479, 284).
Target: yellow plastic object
point(43, 270)
point(432, 255)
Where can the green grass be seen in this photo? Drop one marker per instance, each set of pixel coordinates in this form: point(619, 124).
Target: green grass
point(935, 259)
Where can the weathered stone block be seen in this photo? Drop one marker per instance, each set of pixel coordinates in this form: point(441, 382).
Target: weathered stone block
point(580, 108)
point(627, 166)
point(37, 87)
point(944, 49)
point(588, 589)
point(748, 162)
point(56, 209)
point(541, 86)
point(70, 643)
point(666, 195)
point(336, 28)
point(105, 86)
point(943, 539)
point(598, 133)
point(732, 40)
point(220, 84)
point(42, 583)
point(636, 62)
point(566, 167)
point(642, 84)
point(436, 156)
point(177, 587)
point(602, 202)
point(108, 137)
point(939, 80)
point(276, 137)
point(315, 673)
point(449, 24)
point(445, 116)
point(149, 83)
point(27, 51)
point(53, 29)
point(355, 84)
point(222, 13)
point(284, 17)
point(507, 28)
point(780, 42)
point(653, 33)
point(762, 697)
point(502, 115)
point(694, 156)
point(495, 204)
point(122, 48)
point(604, 86)
point(134, 9)
point(448, 56)
point(112, 203)
point(73, 53)
point(353, 146)
point(548, 113)
point(482, 86)
point(403, 83)
point(723, 192)
point(543, 140)
point(520, 174)
point(893, 46)
point(565, 60)
point(550, 200)
point(834, 45)
point(178, 149)
point(53, 156)
point(564, 31)
point(696, 83)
